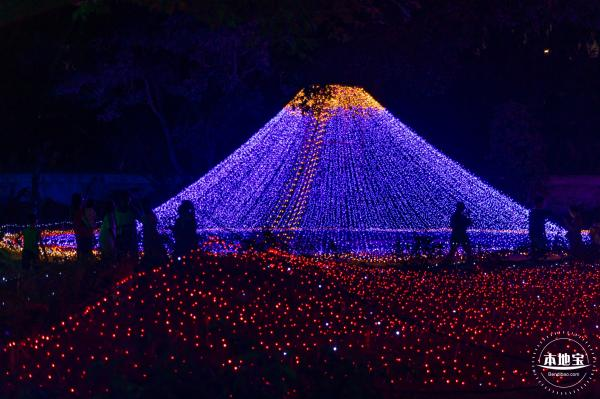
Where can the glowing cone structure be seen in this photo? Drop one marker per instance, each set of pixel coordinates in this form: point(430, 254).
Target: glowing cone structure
point(335, 170)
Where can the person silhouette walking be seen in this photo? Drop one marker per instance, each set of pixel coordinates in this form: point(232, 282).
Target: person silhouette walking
point(460, 222)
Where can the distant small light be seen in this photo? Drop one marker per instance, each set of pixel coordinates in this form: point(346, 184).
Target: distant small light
point(546, 51)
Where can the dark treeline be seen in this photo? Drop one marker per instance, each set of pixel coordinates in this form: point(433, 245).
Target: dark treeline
point(171, 87)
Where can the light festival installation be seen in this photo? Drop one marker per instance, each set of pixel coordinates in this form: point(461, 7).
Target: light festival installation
point(335, 171)
point(57, 238)
point(239, 319)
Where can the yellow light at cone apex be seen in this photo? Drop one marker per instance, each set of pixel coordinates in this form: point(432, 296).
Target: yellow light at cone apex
point(332, 97)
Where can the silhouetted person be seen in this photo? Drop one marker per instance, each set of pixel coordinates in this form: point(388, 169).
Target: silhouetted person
point(332, 247)
point(184, 230)
point(460, 222)
point(269, 239)
point(108, 234)
point(537, 228)
point(77, 220)
point(89, 221)
point(154, 249)
point(574, 224)
point(31, 243)
point(84, 235)
point(127, 241)
point(595, 239)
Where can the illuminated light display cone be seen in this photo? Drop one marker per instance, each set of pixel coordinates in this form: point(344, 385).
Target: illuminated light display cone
point(334, 170)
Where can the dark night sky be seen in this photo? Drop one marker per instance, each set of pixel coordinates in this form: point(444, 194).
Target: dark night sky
point(510, 90)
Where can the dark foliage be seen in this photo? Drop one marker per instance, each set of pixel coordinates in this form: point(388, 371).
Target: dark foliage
point(172, 87)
